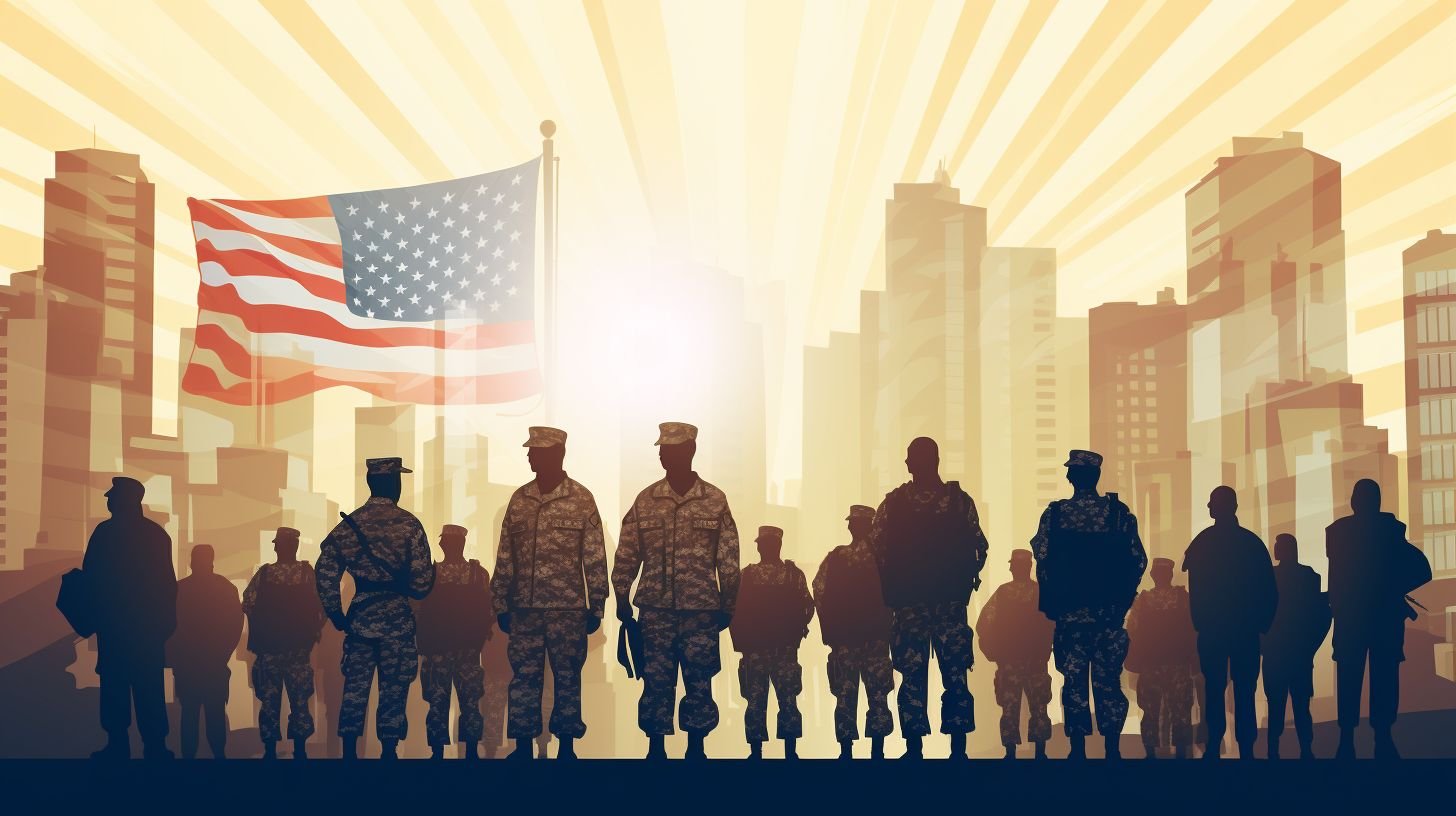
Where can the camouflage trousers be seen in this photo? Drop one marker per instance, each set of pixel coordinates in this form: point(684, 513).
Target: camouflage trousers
point(674, 640)
point(497, 688)
point(397, 662)
point(539, 636)
point(438, 674)
point(1095, 651)
point(848, 667)
point(779, 667)
point(1012, 683)
point(272, 675)
point(1165, 695)
point(915, 632)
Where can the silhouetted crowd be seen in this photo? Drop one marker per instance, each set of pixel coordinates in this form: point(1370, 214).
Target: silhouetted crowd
point(894, 597)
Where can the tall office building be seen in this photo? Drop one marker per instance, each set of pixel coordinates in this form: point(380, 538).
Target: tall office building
point(831, 446)
point(22, 414)
point(1430, 396)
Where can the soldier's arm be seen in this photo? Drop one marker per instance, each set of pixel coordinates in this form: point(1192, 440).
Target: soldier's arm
point(1043, 535)
point(978, 535)
point(626, 563)
point(327, 574)
point(879, 542)
point(819, 579)
point(594, 562)
point(1139, 555)
point(505, 568)
point(728, 560)
point(421, 564)
point(804, 596)
point(250, 594)
point(166, 577)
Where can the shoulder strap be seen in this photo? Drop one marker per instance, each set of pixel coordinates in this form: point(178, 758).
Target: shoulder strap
point(1114, 513)
point(368, 551)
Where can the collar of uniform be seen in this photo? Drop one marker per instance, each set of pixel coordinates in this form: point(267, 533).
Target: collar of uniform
point(1081, 493)
point(380, 500)
point(533, 491)
point(663, 490)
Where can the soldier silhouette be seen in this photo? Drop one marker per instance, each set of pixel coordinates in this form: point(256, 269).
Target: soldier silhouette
point(772, 618)
point(680, 536)
point(1090, 561)
point(1300, 626)
point(930, 549)
point(131, 589)
point(1163, 653)
point(385, 549)
point(454, 622)
point(1233, 597)
point(209, 624)
point(496, 665)
point(1372, 568)
point(855, 625)
point(1017, 637)
point(549, 591)
point(285, 620)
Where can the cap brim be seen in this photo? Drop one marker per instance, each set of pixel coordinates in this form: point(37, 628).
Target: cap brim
point(404, 470)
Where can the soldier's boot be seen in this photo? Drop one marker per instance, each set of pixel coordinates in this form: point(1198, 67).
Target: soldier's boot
point(695, 745)
point(1040, 750)
point(1181, 751)
point(1246, 750)
point(525, 749)
point(1306, 749)
point(1151, 749)
point(655, 747)
point(1010, 752)
point(350, 745)
point(270, 750)
point(157, 749)
point(877, 747)
point(958, 746)
point(755, 750)
point(1347, 744)
point(567, 749)
point(1112, 747)
point(1271, 750)
point(791, 748)
point(389, 749)
point(300, 748)
point(470, 751)
point(117, 747)
point(1077, 746)
point(1385, 745)
point(846, 749)
point(437, 752)
point(913, 749)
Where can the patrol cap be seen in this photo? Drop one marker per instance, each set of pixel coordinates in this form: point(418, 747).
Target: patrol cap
point(1084, 458)
point(285, 534)
point(385, 464)
point(125, 486)
point(675, 433)
point(860, 511)
point(770, 531)
point(1021, 556)
point(1162, 563)
point(543, 437)
point(453, 530)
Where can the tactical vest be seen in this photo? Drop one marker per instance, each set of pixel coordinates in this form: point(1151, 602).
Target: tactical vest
point(929, 558)
point(454, 617)
point(769, 614)
point(285, 617)
point(853, 610)
point(1085, 569)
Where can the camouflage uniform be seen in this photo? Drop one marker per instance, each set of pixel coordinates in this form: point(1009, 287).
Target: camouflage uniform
point(460, 668)
point(381, 624)
point(1163, 652)
point(863, 655)
point(550, 572)
point(290, 669)
point(686, 549)
point(1015, 635)
point(1090, 639)
point(773, 659)
point(928, 591)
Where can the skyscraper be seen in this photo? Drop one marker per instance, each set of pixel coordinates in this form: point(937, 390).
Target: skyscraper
point(22, 414)
point(1430, 396)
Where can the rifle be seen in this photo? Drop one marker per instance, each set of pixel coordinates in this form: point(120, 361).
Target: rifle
point(629, 647)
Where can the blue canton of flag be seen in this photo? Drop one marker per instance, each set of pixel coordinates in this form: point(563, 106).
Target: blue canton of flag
point(463, 248)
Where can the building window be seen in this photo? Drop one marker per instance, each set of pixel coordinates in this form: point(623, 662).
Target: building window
point(1438, 461)
point(1152, 447)
point(1438, 506)
point(1148, 353)
point(1152, 385)
point(1151, 402)
point(1440, 547)
point(1437, 415)
point(1433, 323)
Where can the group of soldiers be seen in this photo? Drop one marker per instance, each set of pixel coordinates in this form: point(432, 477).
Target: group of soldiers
point(895, 596)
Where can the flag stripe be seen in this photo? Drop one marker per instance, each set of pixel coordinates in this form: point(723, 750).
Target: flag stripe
point(323, 230)
point(325, 252)
point(330, 268)
point(251, 263)
point(313, 207)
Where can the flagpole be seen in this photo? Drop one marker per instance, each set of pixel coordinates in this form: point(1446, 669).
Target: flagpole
point(548, 179)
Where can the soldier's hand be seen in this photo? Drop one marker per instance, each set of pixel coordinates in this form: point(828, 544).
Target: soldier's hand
point(503, 621)
point(593, 623)
point(340, 622)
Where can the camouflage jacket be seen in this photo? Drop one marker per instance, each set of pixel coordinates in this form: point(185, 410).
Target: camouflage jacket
point(685, 547)
point(1088, 512)
point(400, 569)
point(774, 607)
point(848, 597)
point(929, 545)
point(282, 606)
point(1161, 630)
point(1012, 628)
point(551, 554)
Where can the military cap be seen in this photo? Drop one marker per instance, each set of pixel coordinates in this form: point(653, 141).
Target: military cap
point(285, 534)
point(543, 437)
point(1162, 562)
point(675, 433)
point(385, 464)
point(126, 486)
point(860, 511)
point(453, 530)
point(1020, 556)
point(1083, 458)
point(770, 531)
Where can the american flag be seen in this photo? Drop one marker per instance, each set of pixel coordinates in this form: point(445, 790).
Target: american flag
point(415, 294)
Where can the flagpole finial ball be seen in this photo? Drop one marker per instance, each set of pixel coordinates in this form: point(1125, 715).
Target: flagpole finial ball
point(548, 128)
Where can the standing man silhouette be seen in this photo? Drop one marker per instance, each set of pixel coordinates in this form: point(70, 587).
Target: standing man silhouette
point(209, 625)
point(1017, 637)
point(385, 549)
point(284, 622)
point(133, 593)
point(1300, 626)
point(1233, 597)
point(772, 619)
point(550, 592)
point(454, 623)
point(679, 535)
point(927, 539)
point(1090, 561)
point(1163, 653)
point(1372, 569)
